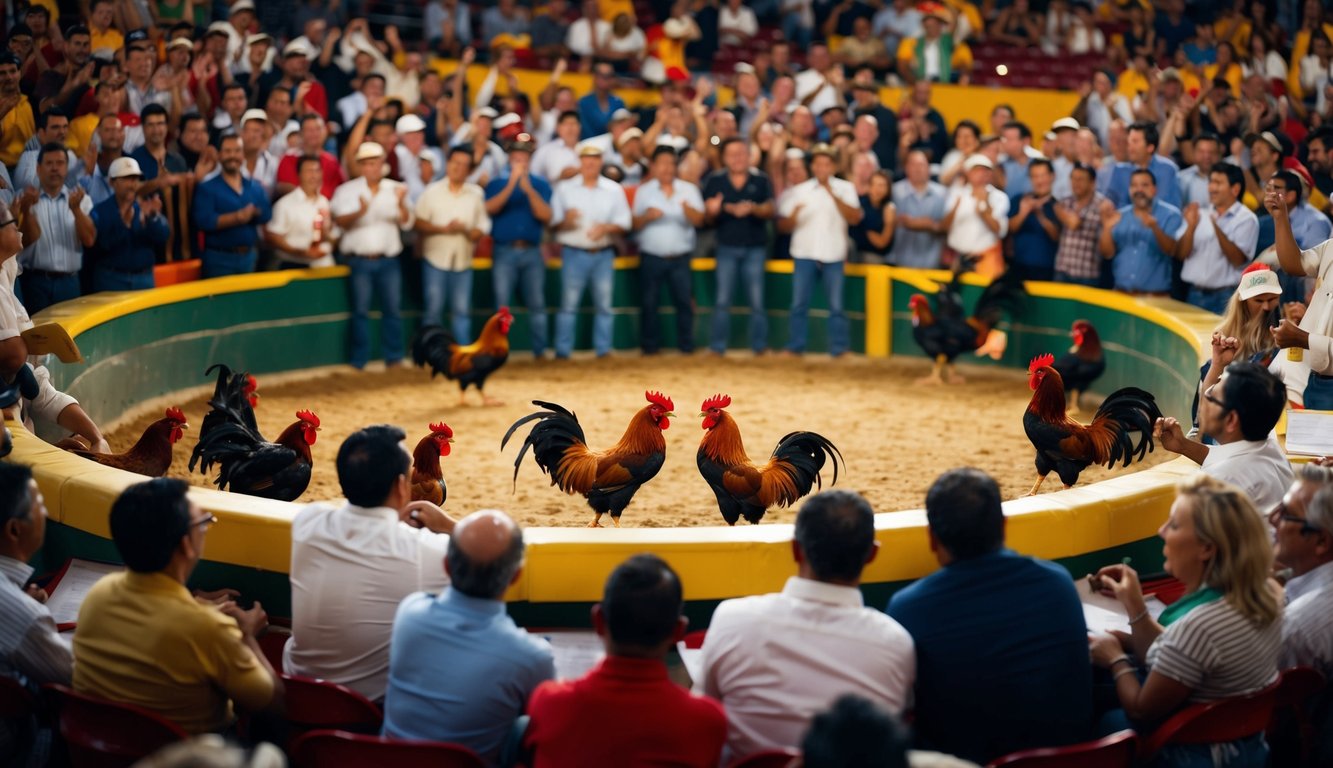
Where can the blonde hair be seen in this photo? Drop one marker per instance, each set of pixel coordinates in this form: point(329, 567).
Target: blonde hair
point(1242, 552)
point(1251, 332)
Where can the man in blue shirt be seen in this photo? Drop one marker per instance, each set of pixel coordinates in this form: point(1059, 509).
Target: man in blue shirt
point(1034, 228)
point(920, 204)
point(461, 670)
point(518, 203)
point(1002, 648)
point(1142, 148)
point(666, 212)
point(1139, 238)
point(595, 109)
point(128, 232)
point(57, 227)
point(228, 208)
point(1308, 226)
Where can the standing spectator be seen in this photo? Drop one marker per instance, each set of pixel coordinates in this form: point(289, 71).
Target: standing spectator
point(1034, 225)
point(550, 30)
point(1077, 259)
point(736, 24)
point(897, 21)
point(66, 84)
point(448, 27)
point(1266, 156)
point(1066, 142)
point(739, 200)
point(978, 218)
point(596, 108)
point(639, 621)
point(302, 232)
point(16, 120)
point(461, 670)
point(451, 218)
point(587, 212)
point(313, 135)
point(52, 128)
point(866, 104)
point(411, 131)
point(1140, 238)
point(1101, 106)
point(32, 650)
point(1016, 146)
point(926, 124)
point(935, 55)
point(1218, 241)
point(1303, 533)
point(130, 230)
point(227, 209)
point(503, 18)
point(584, 34)
point(873, 234)
point(60, 230)
point(817, 213)
point(821, 641)
point(111, 134)
point(1194, 179)
point(1308, 225)
point(558, 160)
point(519, 204)
point(258, 164)
point(920, 203)
point(1307, 366)
point(1141, 144)
point(372, 213)
point(666, 212)
point(165, 173)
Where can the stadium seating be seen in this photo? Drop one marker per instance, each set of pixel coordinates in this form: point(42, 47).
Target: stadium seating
point(318, 704)
point(1214, 721)
point(15, 699)
point(769, 758)
point(106, 734)
point(339, 749)
point(1291, 733)
point(1114, 751)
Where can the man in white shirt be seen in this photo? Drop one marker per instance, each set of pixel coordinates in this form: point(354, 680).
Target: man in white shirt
point(451, 218)
point(558, 160)
point(817, 213)
point(301, 232)
point(587, 212)
point(1239, 412)
point(1307, 357)
point(259, 164)
point(1217, 241)
point(978, 217)
point(411, 131)
point(583, 34)
point(1303, 535)
point(776, 660)
point(353, 564)
point(666, 212)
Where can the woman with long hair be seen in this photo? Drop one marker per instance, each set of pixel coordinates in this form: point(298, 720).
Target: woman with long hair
point(1244, 332)
point(873, 235)
point(1221, 639)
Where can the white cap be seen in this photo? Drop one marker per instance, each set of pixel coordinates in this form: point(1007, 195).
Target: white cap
point(977, 161)
point(124, 166)
point(297, 47)
point(675, 28)
point(1065, 122)
point(409, 123)
point(181, 42)
point(629, 135)
point(241, 5)
point(1258, 280)
point(486, 112)
point(219, 28)
point(794, 153)
point(369, 150)
point(428, 155)
point(292, 127)
point(589, 149)
point(621, 114)
point(506, 120)
point(744, 68)
point(259, 37)
point(254, 114)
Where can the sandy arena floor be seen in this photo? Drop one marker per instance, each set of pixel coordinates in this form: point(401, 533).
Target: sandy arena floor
point(896, 437)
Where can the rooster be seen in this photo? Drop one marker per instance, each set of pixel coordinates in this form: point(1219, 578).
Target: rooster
point(1084, 362)
point(608, 479)
point(427, 479)
point(468, 365)
point(150, 456)
point(746, 490)
point(944, 333)
point(233, 401)
point(250, 465)
point(1068, 447)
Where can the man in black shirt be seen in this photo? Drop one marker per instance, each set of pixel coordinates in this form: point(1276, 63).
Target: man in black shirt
point(739, 200)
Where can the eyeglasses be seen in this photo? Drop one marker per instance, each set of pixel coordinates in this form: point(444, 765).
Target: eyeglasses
point(1208, 395)
point(204, 522)
point(1281, 515)
point(7, 223)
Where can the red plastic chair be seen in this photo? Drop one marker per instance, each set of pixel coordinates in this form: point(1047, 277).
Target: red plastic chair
point(1114, 751)
point(109, 734)
point(272, 643)
point(15, 699)
point(769, 758)
point(321, 705)
point(339, 749)
point(1291, 728)
point(695, 639)
point(1215, 721)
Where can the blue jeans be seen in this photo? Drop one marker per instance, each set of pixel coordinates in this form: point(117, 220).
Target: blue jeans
point(436, 284)
point(748, 262)
point(106, 279)
point(42, 290)
point(384, 278)
point(580, 269)
point(222, 263)
point(1068, 279)
point(525, 268)
point(1213, 300)
point(653, 271)
point(804, 274)
point(1318, 392)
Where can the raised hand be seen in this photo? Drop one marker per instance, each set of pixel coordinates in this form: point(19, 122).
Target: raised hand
point(76, 199)
point(469, 56)
point(1167, 431)
point(1288, 334)
point(1191, 214)
point(1276, 204)
point(150, 206)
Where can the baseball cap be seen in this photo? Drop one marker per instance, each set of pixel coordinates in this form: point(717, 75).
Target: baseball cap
point(259, 37)
point(621, 114)
point(8, 57)
point(629, 135)
point(506, 120)
point(587, 149)
point(977, 161)
point(409, 123)
point(1065, 124)
point(136, 36)
point(241, 5)
point(254, 114)
point(219, 28)
point(1267, 137)
point(181, 42)
point(296, 47)
point(122, 167)
point(522, 143)
point(1257, 280)
point(823, 149)
point(486, 112)
point(369, 150)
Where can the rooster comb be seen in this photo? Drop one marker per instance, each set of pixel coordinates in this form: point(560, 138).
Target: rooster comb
point(309, 417)
point(175, 414)
point(440, 428)
point(716, 401)
point(1041, 361)
point(504, 312)
point(659, 399)
point(251, 384)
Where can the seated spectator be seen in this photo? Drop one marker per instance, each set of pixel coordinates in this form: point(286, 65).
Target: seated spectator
point(1016, 24)
point(736, 24)
point(550, 30)
point(503, 18)
point(1034, 227)
point(144, 640)
point(819, 640)
point(855, 733)
point(920, 206)
point(935, 55)
point(624, 48)
point(31, 650)
point(977, 698)
point(864, 49)
point(448, 27)
point(583, 35)
point(898, 20)
point(1303, 531)
point(657, 722)
point(1139, 238)
point(1217, 246)
point(353, 564)
point(1220, 640)
point(873, 234)
point(1239, 413)
point(460, 669)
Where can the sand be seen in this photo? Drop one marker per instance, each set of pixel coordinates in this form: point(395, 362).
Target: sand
point(896, 436)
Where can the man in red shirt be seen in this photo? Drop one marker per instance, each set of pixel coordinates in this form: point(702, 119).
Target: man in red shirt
point(656, 722)
point(313, 135)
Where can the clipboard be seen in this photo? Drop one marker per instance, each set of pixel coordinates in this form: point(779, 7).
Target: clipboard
point(52, 339)
point(1310, 433)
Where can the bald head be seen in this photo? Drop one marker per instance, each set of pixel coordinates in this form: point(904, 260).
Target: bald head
point(485, 554)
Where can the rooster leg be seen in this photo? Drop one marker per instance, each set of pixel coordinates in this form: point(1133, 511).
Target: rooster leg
point(1040, 479)
point(953, 376)
point(490, 402)
point(935, 377)
point(596, 522)
point(615, 521)
point(1072, 408)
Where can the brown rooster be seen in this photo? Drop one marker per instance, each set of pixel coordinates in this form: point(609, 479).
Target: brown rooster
point(608, 479)
point(1068, 447)
point(150, 456)
point(468, 364)
point(744, 489)
point(944, 332)
point(427, 478)
point(250, 465)
point(1083, 364)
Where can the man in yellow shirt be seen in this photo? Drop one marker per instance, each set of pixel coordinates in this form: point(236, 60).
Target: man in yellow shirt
point(101, 24)
point(145, 640)
point(16, 121)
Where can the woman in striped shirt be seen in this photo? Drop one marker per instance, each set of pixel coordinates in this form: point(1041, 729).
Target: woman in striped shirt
point(1221, 639)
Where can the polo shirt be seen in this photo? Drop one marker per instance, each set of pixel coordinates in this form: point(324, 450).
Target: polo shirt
point(1258, 467)
point(594, 116)
point(552, 158)
point(1139, 264)
point(126, 248)
point(747, 232)
point(294, 221)
point(439, 205)
point(144, 640)
point(1163, 171)
point(656, 721)
point(821, 231)
point(914, 248)
point(672, 234)
point(602, 203)
point(1032, 246)
point(15, 128)
point(1002, 656)
point(215, 197)
point(1205, 266)
point(515, 221)
point(379, 231)
point(1307, 622)
point(31, 650)
point(59, 248)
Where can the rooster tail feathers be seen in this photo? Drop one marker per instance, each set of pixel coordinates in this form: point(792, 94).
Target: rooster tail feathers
point(556, 431)
point(1125, 412)
point(1006, 293)
point(433, 345)
point(805, 453)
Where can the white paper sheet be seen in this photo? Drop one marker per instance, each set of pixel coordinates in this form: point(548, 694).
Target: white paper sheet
point(693, 659)
point(1310, 432)
point(576, 652)
point(1104, 614)
point(79, 577)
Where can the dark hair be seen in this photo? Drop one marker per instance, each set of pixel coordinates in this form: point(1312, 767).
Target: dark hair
point(1008, 108)
point(664, 149)
point(369, 462)
point(181, 25)
point(15, 496)
point(487, 581)
point(1234, 175)
point(304, 160)
point(963, 512)
point(226, 137)
point(1143, 172)
point(1149, 131)
point(76, 29)
point(1208, 136)
point(147, 522)
point(20, 30)
point(1040, 162)
point(372, 76)
point(50, 147)
point(569, 115)
point(722, 148)
point(1257, 396)
point(191, 117)
point(836, 531)
point(378, 123)
point(37, 8)
point(99, 68)
point(641, 602)
point(44, 119)
point(309, 116)
point(461, 149)
point(1324, 135)
point(150, 109)
point(1084, 168)
point(855, 733)
point(976, 129)
point(234, 87)
point(96, 3)
point(1023, 131)
point(1292, 182)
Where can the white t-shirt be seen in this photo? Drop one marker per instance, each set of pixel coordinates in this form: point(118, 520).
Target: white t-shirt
point(440, 205)
point(1258, 467)
point(969, 234)
point(379, 231)
point(294, 221)
point(579, 39)
point(821, 231)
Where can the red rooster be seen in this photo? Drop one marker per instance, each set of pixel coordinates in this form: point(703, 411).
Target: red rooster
point(250, 465)
point(469, 364)
point(1068, 447)
point(1083, 364)
point(427, 478)
point(150, 456)
point(746, 490)
point(608, 479)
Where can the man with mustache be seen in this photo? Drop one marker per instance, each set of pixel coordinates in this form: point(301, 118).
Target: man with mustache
point(1138, 238)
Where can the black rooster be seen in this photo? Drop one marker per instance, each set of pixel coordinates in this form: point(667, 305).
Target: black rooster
point(946, 332)
point(1083, 364)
